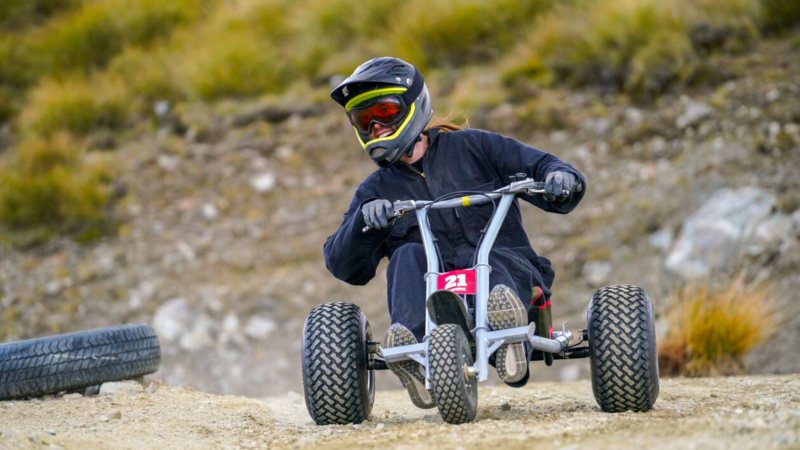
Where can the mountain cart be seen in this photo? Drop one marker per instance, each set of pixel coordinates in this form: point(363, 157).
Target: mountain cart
point(339, 356)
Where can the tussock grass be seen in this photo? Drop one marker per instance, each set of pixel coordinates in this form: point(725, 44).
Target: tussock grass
point(75, 104)
point(443, 33)
point(231, 65)
point(334, 36)
point(84, 39)
point(637, 46)
point(241, 51)
point(91, 35)
point(49, 186)
point(15, 63)
point(18, 15)
point(711, 329)
point(148, 75)
point(779, 15)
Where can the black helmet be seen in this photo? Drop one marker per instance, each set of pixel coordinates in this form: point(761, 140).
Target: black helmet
point(374, 81)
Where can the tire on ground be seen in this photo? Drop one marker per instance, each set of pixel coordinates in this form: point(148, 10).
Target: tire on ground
point(455, 392)
point(622, 347)
point(338, 384)
point(72, 361)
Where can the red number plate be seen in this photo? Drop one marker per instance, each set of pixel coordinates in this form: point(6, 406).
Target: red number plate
point(458, 281)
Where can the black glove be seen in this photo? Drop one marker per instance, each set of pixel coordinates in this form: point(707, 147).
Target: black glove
point(378, 214)
point(560, 186)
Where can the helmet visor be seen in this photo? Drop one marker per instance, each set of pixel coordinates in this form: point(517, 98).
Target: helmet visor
point(387, 111)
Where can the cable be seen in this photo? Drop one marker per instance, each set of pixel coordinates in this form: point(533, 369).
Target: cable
point(483, 231)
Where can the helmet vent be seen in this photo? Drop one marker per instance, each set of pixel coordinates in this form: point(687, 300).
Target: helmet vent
point(397, 69)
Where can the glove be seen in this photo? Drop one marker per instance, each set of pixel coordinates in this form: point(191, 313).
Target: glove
point(559, 181)
point(378, 214)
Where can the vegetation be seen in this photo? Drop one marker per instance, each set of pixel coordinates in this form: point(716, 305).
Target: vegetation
point(712, 328)
point(641, 47)
point(81, 66)
point(73, 105)
point(50, 186)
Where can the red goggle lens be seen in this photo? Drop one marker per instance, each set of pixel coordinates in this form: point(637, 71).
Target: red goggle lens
point(385, 111)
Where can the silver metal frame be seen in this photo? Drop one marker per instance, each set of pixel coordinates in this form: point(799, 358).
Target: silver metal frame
point(487, 341)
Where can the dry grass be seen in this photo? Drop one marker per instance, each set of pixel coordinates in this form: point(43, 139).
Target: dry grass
point(19, 15)
point(711, 329)
point(638, 46)
point(76, 104)
point(49, 186)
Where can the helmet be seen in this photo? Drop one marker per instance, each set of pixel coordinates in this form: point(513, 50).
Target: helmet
point(374, 81)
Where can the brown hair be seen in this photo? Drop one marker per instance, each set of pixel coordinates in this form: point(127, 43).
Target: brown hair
point(448, 123)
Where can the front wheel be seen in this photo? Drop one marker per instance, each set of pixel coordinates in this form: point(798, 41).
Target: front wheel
point(622, 348)
point(455, 389)
point(339, 386)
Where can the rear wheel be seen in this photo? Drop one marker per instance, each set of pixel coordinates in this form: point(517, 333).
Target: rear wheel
point(73, 361)
point(622, 348)
point(338, 384)
point(455, 390)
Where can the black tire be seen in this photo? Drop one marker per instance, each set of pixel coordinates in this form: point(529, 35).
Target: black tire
point(622, 349)
point(339, 386)
point(455, 392)
point(72, 361)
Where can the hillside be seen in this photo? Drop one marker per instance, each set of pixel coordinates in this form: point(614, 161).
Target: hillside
point(225, 210)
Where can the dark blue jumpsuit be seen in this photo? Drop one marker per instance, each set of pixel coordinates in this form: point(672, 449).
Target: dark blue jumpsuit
point(466, 160)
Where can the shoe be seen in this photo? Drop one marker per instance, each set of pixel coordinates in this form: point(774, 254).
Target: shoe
point(505, 310)
point(409, 371)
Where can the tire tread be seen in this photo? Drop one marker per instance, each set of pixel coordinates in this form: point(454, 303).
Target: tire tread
point(622, 347)
point(331, 366)
point(72, 361)
point(455, 402)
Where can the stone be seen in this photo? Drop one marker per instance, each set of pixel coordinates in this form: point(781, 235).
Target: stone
point(263, 182)
point(596, 272)
point(121, 387)
point(200, 335)
point(773, 95)
point(168, 163)
point(770, 234)
point(693, 113)
point(712, 237)
point(661, 239)
point(259, 327)
point(210, 211)
point(171, 319)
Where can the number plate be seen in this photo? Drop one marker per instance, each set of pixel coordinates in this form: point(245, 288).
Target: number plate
point(458, 281)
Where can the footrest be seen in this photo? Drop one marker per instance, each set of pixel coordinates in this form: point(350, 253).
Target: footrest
point(447, 307)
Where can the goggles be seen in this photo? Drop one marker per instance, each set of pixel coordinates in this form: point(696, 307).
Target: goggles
point(387, 111)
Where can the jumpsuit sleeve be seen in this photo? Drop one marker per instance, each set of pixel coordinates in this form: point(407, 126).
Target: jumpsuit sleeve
point(510, 157)
point(352, 255)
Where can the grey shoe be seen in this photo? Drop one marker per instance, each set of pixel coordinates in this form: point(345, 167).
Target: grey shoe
point(505, 310)
point(409, 371)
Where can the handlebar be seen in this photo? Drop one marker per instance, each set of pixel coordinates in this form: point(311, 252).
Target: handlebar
point(524, 186)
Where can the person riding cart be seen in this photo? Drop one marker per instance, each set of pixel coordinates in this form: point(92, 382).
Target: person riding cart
point(388, 104)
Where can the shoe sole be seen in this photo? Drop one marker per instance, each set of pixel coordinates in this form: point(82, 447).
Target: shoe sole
point(505, 311)
point(408, 371)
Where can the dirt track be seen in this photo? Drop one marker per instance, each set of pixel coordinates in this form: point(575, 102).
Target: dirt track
point(711, 413)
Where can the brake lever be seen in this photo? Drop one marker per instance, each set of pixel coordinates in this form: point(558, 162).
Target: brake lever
point(395, 216)
point(564, 192)
point(401, 208)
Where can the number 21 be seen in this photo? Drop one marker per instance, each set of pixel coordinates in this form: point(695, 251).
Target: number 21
point(455, 281)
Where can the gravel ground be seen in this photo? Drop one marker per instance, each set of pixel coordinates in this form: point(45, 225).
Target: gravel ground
point(754, 412)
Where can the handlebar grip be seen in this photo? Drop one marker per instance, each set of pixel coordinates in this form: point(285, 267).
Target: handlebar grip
point(396, 215)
